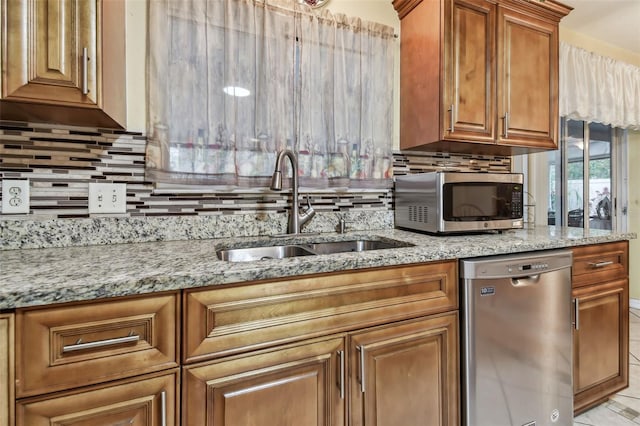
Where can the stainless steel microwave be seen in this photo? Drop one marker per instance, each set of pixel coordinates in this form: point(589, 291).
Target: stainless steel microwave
point(456, 202)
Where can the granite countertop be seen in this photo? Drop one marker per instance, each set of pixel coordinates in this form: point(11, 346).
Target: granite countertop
point(32, 277)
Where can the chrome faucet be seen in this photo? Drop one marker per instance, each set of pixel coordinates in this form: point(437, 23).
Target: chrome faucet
point(296, 218)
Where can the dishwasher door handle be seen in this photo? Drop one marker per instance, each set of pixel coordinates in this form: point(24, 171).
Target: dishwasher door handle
point(526, 280)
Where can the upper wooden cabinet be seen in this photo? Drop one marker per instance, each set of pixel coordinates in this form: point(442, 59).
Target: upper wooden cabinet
point(479, 76)
point(64, 62)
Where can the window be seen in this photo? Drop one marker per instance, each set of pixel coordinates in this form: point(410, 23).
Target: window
point(585, 186)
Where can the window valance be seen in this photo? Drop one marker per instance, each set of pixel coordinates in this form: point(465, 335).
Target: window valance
point(598, 88)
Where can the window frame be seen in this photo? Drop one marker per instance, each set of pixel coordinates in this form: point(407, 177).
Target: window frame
point(619, 178)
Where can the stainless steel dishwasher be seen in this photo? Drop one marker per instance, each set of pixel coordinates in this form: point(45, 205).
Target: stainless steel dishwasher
point(516, 333)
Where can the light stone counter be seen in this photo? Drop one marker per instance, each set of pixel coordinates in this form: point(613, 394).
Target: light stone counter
point(31, 277)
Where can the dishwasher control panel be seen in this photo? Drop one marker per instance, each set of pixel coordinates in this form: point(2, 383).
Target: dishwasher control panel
point(515, 265)
point(528, 267)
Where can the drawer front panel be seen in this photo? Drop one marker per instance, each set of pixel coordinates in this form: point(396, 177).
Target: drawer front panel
point(144, 401)
point(600, 263)
point(223, 321)
point(69, 346)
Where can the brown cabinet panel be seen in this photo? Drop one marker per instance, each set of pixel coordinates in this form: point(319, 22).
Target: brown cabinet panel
point(527, 80)
point(61, 31)
point(295, 385)
point(64, 62)
point(76, 345)
point(601, 342)
point(227, 320)
point(492, 68)
point(143, 401)
point(469, 69)
point(600, 263)
point(6, 369)
point(410, 372)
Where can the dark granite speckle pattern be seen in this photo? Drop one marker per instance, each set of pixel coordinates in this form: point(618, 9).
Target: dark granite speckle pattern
point(32, 277)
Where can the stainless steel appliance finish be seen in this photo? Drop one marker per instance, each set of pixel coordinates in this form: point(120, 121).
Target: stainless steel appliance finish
point(516, 334)
point(455, 202)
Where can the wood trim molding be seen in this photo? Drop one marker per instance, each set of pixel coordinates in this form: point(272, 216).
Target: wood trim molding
point(7, 362)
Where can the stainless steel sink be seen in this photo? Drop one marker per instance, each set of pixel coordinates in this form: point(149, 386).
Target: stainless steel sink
point(354, 245)
point(261, 252)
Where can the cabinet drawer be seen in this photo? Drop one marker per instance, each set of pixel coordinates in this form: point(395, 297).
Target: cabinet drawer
point(600, 263)
point(232, 319)
point(76, 345)
point(145, 401)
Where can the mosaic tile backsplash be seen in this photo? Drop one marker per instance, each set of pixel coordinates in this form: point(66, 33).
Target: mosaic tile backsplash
point(60, 162)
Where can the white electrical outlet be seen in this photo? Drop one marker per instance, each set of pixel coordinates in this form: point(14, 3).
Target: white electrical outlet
point(15, 196)
point(107, 198)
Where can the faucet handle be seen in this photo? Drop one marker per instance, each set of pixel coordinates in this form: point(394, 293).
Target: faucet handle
point(308, 213)
point(342, 225)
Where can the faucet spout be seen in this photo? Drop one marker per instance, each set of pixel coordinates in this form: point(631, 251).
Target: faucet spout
point(296, 219)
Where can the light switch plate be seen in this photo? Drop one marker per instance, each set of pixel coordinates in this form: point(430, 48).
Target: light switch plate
point(107, 198)
point(15, 196)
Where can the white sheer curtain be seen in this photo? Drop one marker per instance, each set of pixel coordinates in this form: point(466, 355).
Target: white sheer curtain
point(231, 82)
point(597, 88)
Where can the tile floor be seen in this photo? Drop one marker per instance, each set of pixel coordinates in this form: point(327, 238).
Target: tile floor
point(623, 409)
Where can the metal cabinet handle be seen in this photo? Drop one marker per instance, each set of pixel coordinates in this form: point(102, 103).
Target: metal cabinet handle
point(85, 71)
point(78, 346)
point(361, 349)
point(505, 119)
point(341, 376)
point(163, 408)
point(596, 265)
point(576, 305)
point(451, 118)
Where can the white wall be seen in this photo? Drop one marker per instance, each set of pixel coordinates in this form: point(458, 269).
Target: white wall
point(634, 213)
point(136, 45)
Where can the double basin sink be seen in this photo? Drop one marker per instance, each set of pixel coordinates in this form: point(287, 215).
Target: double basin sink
point(264, 251)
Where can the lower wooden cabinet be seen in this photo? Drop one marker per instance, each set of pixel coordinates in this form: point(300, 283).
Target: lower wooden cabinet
point(6, 369)
point(601, 343)
point(601, 338)
point(403, 373)
point(142, 401)
point(295, 385)
point(70, 346)
point(406, 374)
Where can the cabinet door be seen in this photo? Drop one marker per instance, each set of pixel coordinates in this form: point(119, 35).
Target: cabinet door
point(6, 369)
point(138, 402)
point(292, 386)
point(527, 80)
point(45, 44)
point(469, 71)
point(406, 374)
point(601, 344)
